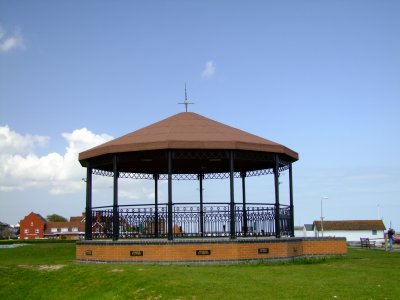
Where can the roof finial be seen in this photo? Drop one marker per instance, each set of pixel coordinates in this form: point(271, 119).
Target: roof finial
point(186, 102)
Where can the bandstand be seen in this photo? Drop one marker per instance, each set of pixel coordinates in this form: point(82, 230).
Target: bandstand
point(188, 146)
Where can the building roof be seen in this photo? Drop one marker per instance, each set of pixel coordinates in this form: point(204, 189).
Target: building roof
point(35, 215)
point(350, 225)
point(187, 130)
point(309, 227)
point(77, 219)
point(299, 228)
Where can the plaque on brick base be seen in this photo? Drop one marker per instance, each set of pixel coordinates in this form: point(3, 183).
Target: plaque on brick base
point(136, 253)
point(203, 252)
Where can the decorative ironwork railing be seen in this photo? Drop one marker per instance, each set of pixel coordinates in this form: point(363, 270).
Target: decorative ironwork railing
point(188, 176)
point(189, 220)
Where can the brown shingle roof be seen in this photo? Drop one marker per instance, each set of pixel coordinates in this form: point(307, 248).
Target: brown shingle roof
point(351, 225)
point(76, 219)
point(187, 131)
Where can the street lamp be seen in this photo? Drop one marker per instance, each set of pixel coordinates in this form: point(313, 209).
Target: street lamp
point(322, 217)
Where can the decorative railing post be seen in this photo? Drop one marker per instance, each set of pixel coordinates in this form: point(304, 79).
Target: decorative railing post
point(291, 201)
point(115, 202)
point(170, 218)
point(243, 175)
point(156, 230)
point(201, 176)
point(232, 195)
point(277, 210)
point(88, 213)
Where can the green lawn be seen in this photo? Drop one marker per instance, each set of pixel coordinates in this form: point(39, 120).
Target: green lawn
point(48, 271)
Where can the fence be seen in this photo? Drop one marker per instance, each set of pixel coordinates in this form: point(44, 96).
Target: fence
point(190, 220)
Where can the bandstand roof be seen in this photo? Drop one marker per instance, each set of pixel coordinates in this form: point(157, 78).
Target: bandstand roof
point(188, 131)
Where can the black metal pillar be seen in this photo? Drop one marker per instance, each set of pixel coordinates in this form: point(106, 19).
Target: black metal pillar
point(276, 181)
point(88, 213)
point(243, 175)
point(170, 219)
point(232, 194)
point(155, 176)
point(291, 201)
point(115, 235)
point(200, 176)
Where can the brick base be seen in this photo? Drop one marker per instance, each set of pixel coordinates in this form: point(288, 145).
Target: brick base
point(207, 250)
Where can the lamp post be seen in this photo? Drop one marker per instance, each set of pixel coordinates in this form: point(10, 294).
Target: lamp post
point(322, 217)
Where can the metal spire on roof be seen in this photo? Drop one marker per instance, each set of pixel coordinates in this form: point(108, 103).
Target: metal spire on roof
point(186, 102)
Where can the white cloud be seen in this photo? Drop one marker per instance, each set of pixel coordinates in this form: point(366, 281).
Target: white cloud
point(13, 143)
point(21, 168)
point(10, 42)
point(209, 70)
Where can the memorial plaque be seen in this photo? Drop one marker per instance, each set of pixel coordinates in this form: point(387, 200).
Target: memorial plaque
point(203, 252)
point(88, 252)
point(136, 253)
point(263, 250)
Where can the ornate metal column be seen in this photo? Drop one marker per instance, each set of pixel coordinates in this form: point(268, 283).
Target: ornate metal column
point(88, 213)
point(155, 176)
point(277, 213)
point(115, 202)
point(243, 175)
point(170, 219)
point(201, 176)
point(232, 194)
point(291, 201)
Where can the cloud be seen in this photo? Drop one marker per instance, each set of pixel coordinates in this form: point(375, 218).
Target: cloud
point(9, 43)
point(13, 143)
point(21, 168)
point(209, 70)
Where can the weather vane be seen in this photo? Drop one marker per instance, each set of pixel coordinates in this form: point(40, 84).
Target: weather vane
point(186, 102)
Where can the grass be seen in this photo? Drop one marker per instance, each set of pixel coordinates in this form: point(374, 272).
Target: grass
point(48, 271)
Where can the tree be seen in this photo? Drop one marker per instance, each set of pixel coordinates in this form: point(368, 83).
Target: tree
point(6, 233)
point(56, 218)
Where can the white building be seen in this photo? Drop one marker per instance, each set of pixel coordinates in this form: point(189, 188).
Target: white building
point(305, 230)
point(352, 230)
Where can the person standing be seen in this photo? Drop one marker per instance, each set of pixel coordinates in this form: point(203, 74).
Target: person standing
point(391, 238)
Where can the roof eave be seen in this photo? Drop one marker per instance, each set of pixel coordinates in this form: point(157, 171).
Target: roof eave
point(195, 145)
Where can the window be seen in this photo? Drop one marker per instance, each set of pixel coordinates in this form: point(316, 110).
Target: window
point(32, 224)
point(74, 229)
point(36, 230)
point(374, 232)
point(64, 229)
point(54, 229)
point(26, 231)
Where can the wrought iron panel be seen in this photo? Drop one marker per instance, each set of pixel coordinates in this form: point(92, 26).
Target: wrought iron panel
point(139, 221)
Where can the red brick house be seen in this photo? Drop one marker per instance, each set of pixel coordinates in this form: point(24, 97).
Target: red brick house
point(32, 227)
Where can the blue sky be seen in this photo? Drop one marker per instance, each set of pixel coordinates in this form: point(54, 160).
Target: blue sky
point(321, 77)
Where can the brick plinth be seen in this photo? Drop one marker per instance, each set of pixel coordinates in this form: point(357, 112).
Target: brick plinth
point(207, 250)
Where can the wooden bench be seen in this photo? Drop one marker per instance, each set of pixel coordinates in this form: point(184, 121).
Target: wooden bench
point(365, 242)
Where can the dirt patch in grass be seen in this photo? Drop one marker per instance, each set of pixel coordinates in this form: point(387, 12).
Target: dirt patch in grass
point(50, 268)
point(43, 268)
point(117, 270)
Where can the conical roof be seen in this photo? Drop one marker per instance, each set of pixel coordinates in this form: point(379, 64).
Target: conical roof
point(187, 130)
